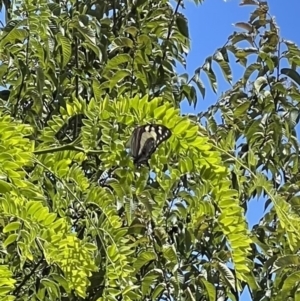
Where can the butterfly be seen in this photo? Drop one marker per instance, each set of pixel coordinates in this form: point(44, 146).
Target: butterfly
point(145, 139)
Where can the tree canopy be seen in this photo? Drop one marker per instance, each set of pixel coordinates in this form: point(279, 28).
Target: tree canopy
point(79, 221)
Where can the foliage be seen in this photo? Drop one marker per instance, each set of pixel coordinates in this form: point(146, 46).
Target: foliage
point(258, 138)
point(79, 221)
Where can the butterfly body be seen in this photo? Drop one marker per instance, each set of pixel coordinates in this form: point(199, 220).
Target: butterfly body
point(145, 140)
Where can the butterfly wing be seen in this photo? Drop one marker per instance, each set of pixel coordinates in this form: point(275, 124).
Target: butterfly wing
point(145, 140)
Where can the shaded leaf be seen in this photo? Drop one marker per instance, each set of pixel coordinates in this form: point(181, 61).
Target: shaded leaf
point(293, 74)
point(181, 22)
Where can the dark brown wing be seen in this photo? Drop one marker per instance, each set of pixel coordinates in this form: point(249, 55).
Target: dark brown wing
point(145, 140)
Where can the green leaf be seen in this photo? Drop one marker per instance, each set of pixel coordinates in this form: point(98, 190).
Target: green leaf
point(159, 112)
point(96, 90)
point(249, 70)
point(158, 290)
point(50, 219)
point(116, 61)
point(218, 57)
point(143, 258)
point(62, 281)
point(122, 42)
point(181, 22)
point(211, 75)
point(196, 79)
point(181, 127)
point(7, 283)
point(190, 93)
point(40, 80)
point(14, 35)
point(119, 76)
point(10, 239)
point(149, 279)
point(242, 108)
point(245, 26)
point(131, 30)
point(170, 254)
point(140, 2)
point(51, 287)
point(144, 42)
point(87, 32)
point(66, 49)
point(127, 289)
point(4, 94)
point(227, 274)
point(293, 74)
point(287, 261)
point(4, 186)
point(33, 207)
point(210, 288)
point(13, 226)
point(260, 83)
point(94, 48)
point(290, 282)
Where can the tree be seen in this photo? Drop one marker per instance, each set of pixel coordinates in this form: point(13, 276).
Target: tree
point(79, 221)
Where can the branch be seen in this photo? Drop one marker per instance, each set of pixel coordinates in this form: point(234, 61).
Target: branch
point(166, 42)
point(27, 277)
point(170, 28)
point(168, 293)
point(63, 148)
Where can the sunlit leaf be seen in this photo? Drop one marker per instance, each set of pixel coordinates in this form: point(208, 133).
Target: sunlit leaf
point(260, 83)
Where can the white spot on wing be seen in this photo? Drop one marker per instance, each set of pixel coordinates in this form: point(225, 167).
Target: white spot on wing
point(153, 134)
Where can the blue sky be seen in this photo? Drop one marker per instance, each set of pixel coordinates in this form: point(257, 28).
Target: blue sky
point(210, 24)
